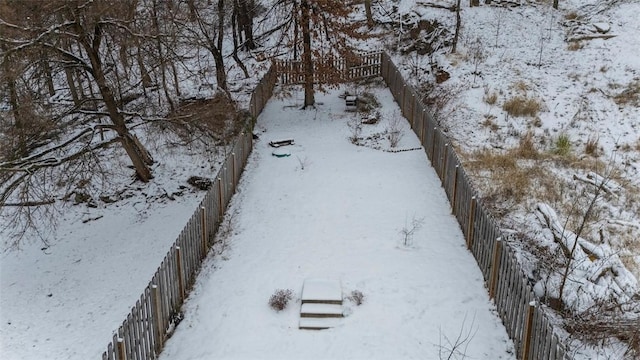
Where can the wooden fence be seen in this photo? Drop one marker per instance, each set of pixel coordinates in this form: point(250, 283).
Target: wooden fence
point(331, 70)
point(143, 333)
point(527, 322)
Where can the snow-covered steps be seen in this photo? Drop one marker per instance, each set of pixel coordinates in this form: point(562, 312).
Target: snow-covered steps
point(318, 323)
point(321, 304)
point(318, 310)
point(322, 291)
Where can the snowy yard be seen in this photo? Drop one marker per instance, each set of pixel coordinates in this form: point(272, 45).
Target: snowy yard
point(336, 210)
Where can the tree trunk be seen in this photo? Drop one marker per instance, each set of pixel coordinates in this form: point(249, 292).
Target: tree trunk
point(307, 61)
point(245, 22)
point(15, 106)
point(163, 65)
point(144, 74)
point(235, 46)
point(454, 46)
point(367, 10)
point(134, 150)
point(47, 75)
point(221, 73)
point(555, 4)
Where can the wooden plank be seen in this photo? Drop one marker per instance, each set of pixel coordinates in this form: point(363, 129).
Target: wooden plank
point(137, 332)
point(140, 328)
point(110, 352)
point(128, 337)
point(148, 324)
point(554, 348)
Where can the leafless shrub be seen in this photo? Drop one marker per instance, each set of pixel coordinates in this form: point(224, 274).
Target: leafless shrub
point(394, 131)
point(456, 349)
point(607, 320)
point(357, 297)
point(303, 162)
point(521, 106)
point(225, 230)
point(409, 230)
point(440, 98)
point(478, 55)
point(355, 125)
point(367, 102)
point(279, 300)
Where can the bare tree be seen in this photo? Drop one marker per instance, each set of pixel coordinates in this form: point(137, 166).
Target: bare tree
point(209, 34)
point(323, 30)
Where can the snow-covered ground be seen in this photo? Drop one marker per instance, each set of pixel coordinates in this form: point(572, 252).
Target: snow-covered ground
point(588, 93)
point(64, 300)
point(336, 210)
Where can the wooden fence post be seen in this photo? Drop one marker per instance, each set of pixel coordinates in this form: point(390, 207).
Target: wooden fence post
point(444, 165)
point(527, 331)
point(424, 126)
point(180, 273)
point(233, 168)
point(455, 190)
point(433, 144)
point(205, 237)
point(494, 268)
point(220, 199)
point(157, 314)
point(472, 215)
point(121, 353)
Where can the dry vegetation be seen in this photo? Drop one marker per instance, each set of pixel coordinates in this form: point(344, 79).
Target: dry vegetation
point(521, 106)
point(630, 96)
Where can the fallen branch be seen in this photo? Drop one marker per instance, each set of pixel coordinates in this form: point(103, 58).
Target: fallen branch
point(624, 223)
point(596, 180)
point(437, 6)
point(30, 203)
point(591, 37)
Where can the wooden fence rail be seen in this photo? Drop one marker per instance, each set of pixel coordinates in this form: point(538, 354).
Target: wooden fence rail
point(143, 333)
point(526, 321)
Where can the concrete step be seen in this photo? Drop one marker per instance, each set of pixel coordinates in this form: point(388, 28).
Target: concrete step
point(316, 310)
point(312, 323)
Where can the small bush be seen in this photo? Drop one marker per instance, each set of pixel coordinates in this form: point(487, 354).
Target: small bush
point(490, 97)
point(527, 149)
point(562, 145)
point(591, 147)
point(395, 132)
point(357, 297)
point(521, 106)
point(575, 46)
point(629, 96)
point(367, 102)
point(571, 15)
point(279, 300)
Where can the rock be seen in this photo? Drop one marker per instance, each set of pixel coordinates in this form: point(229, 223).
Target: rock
point(199, 182)
point(81, 197)
point(441, 76)
point(602, 27)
